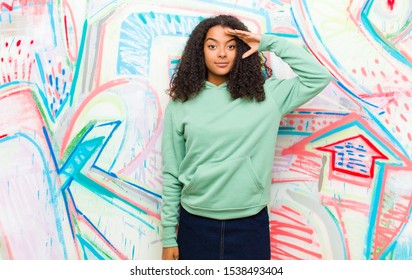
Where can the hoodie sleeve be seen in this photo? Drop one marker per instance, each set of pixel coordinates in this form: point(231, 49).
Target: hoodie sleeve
point(311, 78)
point(173, 149)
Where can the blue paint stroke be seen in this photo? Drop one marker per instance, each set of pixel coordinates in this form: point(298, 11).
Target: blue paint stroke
point(384, 43)
point(330, 54)
point(53, 191)
point(80, 58)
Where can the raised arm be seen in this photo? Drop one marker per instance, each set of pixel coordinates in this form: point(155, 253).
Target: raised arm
point(289, 94)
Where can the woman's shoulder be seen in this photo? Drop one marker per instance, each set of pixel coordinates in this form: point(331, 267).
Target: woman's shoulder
point(173, 104)
point(272, 82)
point(175, 107)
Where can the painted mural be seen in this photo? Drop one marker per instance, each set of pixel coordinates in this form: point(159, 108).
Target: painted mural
point(82, 95)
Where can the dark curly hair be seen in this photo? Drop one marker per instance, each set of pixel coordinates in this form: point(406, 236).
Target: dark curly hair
point(246, 78)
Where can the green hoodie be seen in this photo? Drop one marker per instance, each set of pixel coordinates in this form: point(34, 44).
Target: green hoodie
point(218, 152)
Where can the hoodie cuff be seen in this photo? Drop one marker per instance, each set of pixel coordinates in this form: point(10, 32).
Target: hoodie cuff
point(169, 237)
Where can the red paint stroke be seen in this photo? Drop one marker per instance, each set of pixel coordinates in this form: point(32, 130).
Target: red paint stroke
point(297, 248)
point(24, 115)
point(277, 244)
point(391, 3)
point(7, 6)
point(280, 214)
point(6, 243)
point(334, 203)
point(301, 149)
point(2, 136)
point(80, 109)
point(375, 154)
point(306, 167)
point(148, 146)
point(65, 30)
point(22, 3)
point(289, 223)
point(285, 229)
point(390, 218)
point(379, 94)
point(75, 219)
point(69, 21)
point(71, 209)
point(347, 204)
point(279, 254)
point(16, 61)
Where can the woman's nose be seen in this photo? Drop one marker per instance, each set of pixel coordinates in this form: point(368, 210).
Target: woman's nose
point(222, 53)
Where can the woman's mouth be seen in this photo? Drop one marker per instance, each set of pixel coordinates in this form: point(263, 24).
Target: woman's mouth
point(221, 64)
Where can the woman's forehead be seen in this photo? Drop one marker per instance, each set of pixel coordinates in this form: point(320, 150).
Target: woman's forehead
point(218, 33)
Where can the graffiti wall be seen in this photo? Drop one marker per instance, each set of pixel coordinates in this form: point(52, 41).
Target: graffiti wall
point(82, 96)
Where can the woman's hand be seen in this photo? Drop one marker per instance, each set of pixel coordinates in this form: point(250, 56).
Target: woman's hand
point(251, 39)
point(171, 253)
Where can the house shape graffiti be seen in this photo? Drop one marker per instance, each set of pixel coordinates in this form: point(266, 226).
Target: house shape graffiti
point(353, 183)
point(354, 155)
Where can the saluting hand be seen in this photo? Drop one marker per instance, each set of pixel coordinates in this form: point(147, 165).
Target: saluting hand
point(251, 39)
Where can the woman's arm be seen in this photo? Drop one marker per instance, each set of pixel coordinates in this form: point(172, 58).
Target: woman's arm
point(173, 149)
point(289, 94)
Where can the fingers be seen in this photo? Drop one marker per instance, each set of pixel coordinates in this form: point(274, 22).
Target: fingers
point(171, 253)
point(170, 257)
point(229, 31)
point(241, 34)
point(248, 53)
point(175, 255)
point(251, 39)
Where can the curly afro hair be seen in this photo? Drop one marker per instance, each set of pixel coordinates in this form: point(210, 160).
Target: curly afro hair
point(246, 78)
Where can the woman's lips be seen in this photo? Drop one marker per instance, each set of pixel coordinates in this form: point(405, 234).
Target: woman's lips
point(221, 64)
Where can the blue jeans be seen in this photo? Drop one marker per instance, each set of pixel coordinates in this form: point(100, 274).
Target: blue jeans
point(201, 238)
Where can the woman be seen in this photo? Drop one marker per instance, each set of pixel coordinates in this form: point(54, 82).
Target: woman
point(219, 136)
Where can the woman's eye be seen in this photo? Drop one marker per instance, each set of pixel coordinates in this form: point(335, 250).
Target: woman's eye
point(212, 47)
point(232, 47)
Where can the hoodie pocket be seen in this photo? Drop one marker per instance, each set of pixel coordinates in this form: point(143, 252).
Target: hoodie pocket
point(231, 184)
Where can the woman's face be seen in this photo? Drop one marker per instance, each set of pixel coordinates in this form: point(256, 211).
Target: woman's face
point(220, 51)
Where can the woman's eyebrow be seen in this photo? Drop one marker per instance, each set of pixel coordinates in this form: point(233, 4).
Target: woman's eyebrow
point(212, 39)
